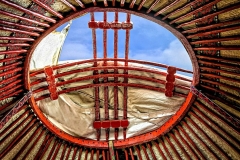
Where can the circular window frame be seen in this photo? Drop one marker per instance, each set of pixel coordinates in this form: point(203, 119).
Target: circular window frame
point(132, 140)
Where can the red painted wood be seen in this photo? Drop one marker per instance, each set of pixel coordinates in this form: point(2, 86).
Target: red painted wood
point(186, 143)
point(69, 5)
point(179, 9)
point(209, 15)
point(43, 150)
point(159, 150)
point(195, 11)
point(18, 7)
point(24, 19)
point(21, 26)
point(18, 138)
point(171, 4)
point(48, 8)
point(149, 146)
point(51, 82)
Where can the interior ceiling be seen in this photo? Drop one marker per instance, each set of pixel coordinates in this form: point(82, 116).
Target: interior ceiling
point(210, 32)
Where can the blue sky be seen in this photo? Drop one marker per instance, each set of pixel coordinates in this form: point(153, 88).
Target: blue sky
point(148, 41)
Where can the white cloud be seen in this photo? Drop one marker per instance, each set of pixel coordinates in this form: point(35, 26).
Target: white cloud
point(174, 54)
point(73, 51)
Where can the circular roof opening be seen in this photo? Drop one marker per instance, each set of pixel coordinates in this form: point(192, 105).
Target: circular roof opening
point(109, 83)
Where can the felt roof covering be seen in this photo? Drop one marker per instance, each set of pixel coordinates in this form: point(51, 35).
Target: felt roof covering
point(209, 30)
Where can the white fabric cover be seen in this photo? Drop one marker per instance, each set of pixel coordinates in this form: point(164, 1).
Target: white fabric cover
point(74, 112)
point(48, 50)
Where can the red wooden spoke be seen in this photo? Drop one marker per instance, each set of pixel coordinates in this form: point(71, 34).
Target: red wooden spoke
point(149, 146)
point(10, 66)
point(132, 3)
point(56, 151)
point(165, 148)
point(80, 3)
point(16, 38)
point(122, 2)
point(159, 150)
point(28, 11)
point(35, 142)
point(138, 152)
point(24, 19)
point(68, 153)
point(153, 5)
point(141, 4)
point(166, 8)
point(221, 24)
point(115, 78)
point(48, 8)
point(19, 31)
point(69, 5)
point(80, 153)
point(179, 9)
point(145, 151)
point(63, 151)
point(48, 139)
point(126, 154)
point(13, 52)
point(195, 11)
point(52, 149)
point(21, 26)
point(210, 15)
point(14, 44)
point(105, 71)
point(95, 72)
point(105, 3)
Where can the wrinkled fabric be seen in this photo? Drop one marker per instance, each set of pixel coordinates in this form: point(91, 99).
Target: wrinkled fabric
point(45, 54)
point(74, 112)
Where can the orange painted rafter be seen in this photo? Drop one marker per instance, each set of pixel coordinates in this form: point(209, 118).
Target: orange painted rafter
point(52, 149)
point(56, 150)
point(202, 110)
point(189, 149)
point(195, 11)
point(212, 26)
point(46, 143)
point(172, 147)
point(69, 5)
point(209, 124)
point(153, 5)
point(48, 8)
point(180, 9)
point(166, 7)
point(205, 33)
point(21, 26)
point(209, 15)
point(35, 142)
point(20, 8)
point(19, 137)
point(16, 121)
point(189, 141)
point(149, 146)
point(197, 137)
point(165, 148)
point(24, 19)
point(209, 140)
point(215, 40)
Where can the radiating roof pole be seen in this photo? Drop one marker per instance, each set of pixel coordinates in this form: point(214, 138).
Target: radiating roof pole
point(105, 72)
point(116, 72)
point(125, 96)
point(95, 72)
point(111, 150)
